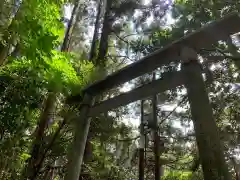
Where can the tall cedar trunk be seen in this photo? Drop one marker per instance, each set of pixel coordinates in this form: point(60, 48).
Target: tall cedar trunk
point(89, 147)
point(69, 29)
point(78, 18)
point(106, 30)
point(76, 158)
point(36, 160)
point(100, 61)
point(7, 37)
point(32, 168)
point(95, 35)
point(5, 46)
point(4, 49)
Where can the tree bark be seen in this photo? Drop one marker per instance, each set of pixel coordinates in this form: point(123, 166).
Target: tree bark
point(75, 160)
point(95, 35)
point(68, 33)
point(50, 144)
point(4, 49)
point(106, 30)
point(36, 160)
point(32, 167)
point(89, 147)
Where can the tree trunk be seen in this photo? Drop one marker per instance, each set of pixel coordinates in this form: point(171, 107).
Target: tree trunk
point(32, 167)
point(36, 160)
point(4, 49)
point(106, 30)
point(72, 38)
point(89, 147)
point(16, 52)
point(7, 37)
point(50, 144)
point(95, 35)
point(68, 33)
point(78, 151)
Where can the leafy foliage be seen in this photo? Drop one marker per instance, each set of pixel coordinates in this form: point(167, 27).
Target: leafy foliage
point(31, 33)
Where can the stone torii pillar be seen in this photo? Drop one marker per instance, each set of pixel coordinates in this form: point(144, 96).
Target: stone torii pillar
point(207, 135)
point(80, 138)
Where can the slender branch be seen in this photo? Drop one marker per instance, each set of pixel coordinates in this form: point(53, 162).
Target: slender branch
point(137, 34)
point(235, 58)
point(148, 131)
point(179, 104)
point(120, 38)
point(52, 141)
point(135, 138)
point(129, 139)
point(125, 57)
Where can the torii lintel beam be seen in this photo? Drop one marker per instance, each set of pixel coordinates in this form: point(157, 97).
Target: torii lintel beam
point(203, 38)
point(168, 81)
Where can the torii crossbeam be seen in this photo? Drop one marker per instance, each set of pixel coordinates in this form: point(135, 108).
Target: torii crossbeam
point(183, 50)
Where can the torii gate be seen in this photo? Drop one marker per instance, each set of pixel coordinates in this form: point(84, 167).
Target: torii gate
point(184, 49)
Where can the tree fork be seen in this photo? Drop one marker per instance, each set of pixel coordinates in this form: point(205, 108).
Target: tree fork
point(207, 135)
point(75, 158)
